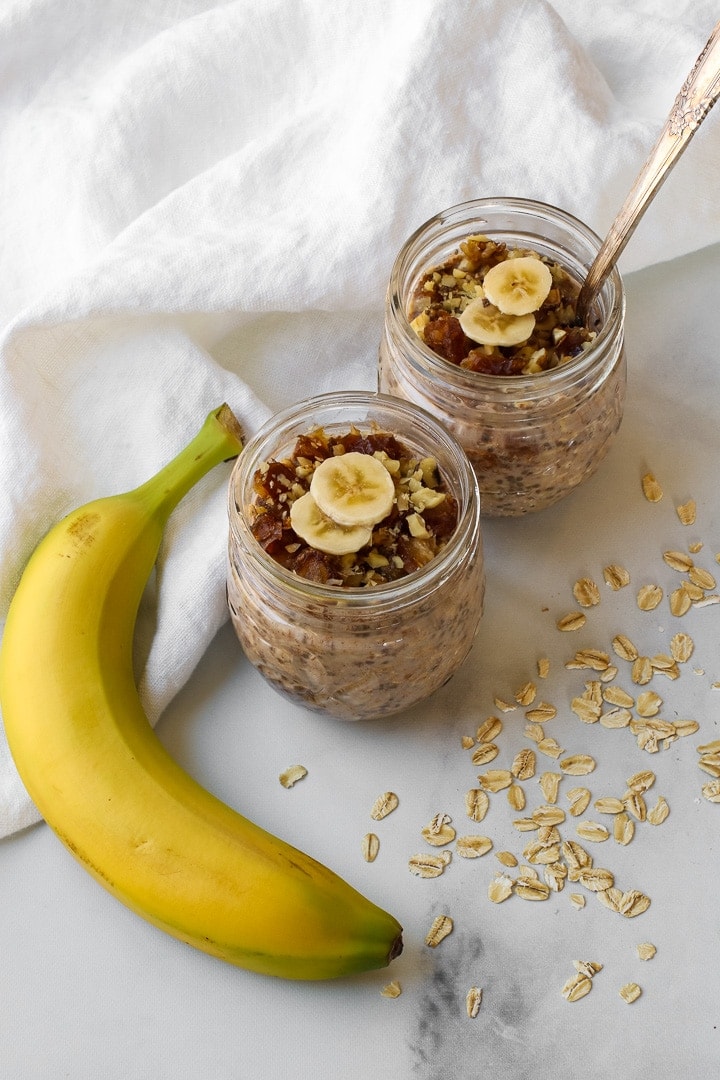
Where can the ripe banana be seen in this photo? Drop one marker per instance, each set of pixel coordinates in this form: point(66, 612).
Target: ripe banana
point(103, 781)
point(518, 286)
point(353, 489)
point(486, 324)
point(324, 534)
point(513, 290)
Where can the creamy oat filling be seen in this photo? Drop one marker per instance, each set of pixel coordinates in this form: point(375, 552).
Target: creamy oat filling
point(353, 509)
point(499, 310)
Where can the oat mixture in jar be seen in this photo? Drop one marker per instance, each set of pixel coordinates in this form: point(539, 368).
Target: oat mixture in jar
point(361, 617)
point(534, 400)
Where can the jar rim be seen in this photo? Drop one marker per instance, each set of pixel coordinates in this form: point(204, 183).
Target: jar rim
point(611, 296)
point(404, 589)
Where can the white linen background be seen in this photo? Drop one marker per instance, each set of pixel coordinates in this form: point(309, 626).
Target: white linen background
point(202, 202)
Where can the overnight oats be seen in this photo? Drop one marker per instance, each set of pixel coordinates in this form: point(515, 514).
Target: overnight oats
point(481, 329)
point(355, 569)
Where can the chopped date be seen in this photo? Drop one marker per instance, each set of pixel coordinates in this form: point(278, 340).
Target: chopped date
point(444, 335)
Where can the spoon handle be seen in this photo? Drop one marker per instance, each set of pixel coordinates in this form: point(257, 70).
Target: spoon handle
point(698, 94)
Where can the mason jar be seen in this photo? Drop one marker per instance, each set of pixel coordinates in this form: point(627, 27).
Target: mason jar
point(365, 651)
point(530, 438)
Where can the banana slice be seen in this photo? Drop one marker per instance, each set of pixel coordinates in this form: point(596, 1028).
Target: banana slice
point(353, 489)
point(324, 534)
point(486, 324)
point(518, 286)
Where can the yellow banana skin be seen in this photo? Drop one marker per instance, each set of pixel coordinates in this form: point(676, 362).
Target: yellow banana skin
point(103, 781)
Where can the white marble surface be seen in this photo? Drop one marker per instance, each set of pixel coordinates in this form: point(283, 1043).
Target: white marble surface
point(90, 991)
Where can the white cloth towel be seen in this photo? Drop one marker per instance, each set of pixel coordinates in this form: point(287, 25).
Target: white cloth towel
point(202, 201)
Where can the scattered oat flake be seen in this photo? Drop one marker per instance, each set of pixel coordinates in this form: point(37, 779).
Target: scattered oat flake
point(635, 804)
point(630, 992)
point(370, 847)
point(617, 577)
point(485, 752)
point(574, 620)
point(576, 987)
point(678, 560)
point(526, 694)
point(702, 578)
point(495, 779)
point(504, 706)
point(506, 858)
point(623, 828)
point(651, 488)
point(711, 791)
point(585, 710)
point(648, 703)
point(555, 875)
point(442, 926)
point(708, 601)
point(549, 785)
point(659, 812)
point(476, 804)
point(686, 512)
point(549, 747)
point(578, 764)
point(592, 830)
point(615, 718)
point(577, 900)
point(646, 950)
point(542, 712)
point(472, 847)
point(642, 671)
point(467, 741)
point(516, 797)
point(587, 967)
point(292, 775)
point(615, 695)
point(596, 659)
point(608, 805)
point(633, 903)
point(439, 831)
point(473, 1001)
point(392, 990)
point(523, 766)
point(548, 815)
point(384, 805)
point(500, 888)
point(579, 799)
point(641, 781)
point(427, 866)
point(624, 648)
point(489, 729)
point(543, 667)
point(648, 597)
point(680, 602)
point(586, 592)
point(529, 888)
point(681, 647)
point(596, 879)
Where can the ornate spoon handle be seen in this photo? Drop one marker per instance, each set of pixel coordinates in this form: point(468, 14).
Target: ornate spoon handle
point(698, 94)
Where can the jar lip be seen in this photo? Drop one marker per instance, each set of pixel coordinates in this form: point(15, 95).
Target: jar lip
point(612, 294)
point(404, 589)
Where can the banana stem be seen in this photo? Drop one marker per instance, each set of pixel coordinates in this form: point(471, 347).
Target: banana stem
point(219, 439)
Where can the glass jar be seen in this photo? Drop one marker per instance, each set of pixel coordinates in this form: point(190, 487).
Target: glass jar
point(356, 653)
point(531, 438)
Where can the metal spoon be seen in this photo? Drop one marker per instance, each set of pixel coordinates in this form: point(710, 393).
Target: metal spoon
point(698, 94)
